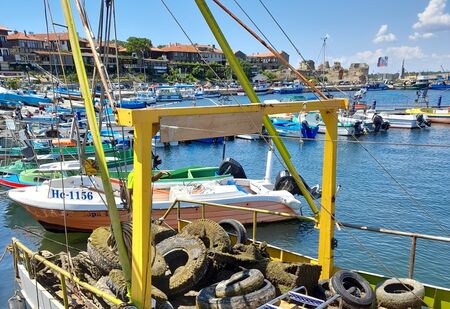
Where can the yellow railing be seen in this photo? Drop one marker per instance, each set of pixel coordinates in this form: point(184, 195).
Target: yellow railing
point(20, 251)
point(254, 211)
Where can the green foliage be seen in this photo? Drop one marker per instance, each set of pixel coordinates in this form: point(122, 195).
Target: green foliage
point(138, 45)
point(13, 83)
point(247, 67)
point(270, 75)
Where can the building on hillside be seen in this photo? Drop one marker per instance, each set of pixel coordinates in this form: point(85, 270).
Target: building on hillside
point(191, 53)
point(267, 61)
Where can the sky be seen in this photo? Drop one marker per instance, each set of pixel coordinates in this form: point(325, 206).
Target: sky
point(357, 31)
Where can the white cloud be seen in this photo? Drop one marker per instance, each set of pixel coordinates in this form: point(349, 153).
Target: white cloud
point(383, 35)
point(418, 35)
point(433, 18)
point(405, 52)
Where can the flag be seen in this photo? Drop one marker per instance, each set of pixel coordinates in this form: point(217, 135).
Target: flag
point(382, 61)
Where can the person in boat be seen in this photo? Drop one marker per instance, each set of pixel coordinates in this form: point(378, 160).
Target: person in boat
point(130, 184)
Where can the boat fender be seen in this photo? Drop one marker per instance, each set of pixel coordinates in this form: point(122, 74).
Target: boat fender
point(362, 297)
point(210, 233)
point(231, 167)
point(187, 261)
point(207, 299)
point(400, 293)
point(240, 283)
point(238, 229)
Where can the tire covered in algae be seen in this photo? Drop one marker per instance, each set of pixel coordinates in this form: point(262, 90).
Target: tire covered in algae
point(211, 233)
point(400, 293)
point(107, 259)
point(99, 251)
point(207, 298)
point(186, 258)
point(238, 229)
point(240, 283)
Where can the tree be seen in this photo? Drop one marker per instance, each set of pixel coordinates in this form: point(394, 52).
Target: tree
point(13, 83)
point(141, 46)
point(270, 75)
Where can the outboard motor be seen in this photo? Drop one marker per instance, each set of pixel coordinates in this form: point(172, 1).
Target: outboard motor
point(377, 122)
point(231, 167)
point(285, 181)
point(422, 122)
point(359, 127)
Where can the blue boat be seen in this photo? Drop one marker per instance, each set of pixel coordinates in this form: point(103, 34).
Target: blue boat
point(376, 86)
point(132, 104)
point(27, 98)
point(293, 128)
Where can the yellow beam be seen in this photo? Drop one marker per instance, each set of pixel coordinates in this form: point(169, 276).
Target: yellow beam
point(147, 117)
point(327, 221)
point(142, 205)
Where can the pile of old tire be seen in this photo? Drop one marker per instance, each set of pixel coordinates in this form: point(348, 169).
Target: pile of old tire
point(245, 289)
point(354, 290)
point(400, 293)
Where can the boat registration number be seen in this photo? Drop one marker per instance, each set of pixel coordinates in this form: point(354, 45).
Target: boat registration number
point(73, 195)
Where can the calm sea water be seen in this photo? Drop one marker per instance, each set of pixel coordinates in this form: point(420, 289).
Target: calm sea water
point(369, 196)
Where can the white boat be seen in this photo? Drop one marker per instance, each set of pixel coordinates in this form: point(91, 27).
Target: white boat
point(347, 126)
point(396, 120)
point(81, 200)
point(168, 94)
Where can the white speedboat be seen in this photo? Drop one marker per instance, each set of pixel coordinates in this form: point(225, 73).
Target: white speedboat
point(347, 126)
point(397, 120)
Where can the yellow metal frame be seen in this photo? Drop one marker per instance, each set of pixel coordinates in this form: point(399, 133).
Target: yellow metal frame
point(146, 123)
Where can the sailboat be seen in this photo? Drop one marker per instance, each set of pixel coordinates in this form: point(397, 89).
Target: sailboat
point(184, 256)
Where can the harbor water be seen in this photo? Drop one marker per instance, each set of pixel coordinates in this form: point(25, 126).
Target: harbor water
point(397, 180)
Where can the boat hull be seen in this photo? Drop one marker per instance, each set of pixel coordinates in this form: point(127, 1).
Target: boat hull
point(86, 221)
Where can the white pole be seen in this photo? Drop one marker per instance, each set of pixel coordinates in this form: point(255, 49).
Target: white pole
point(269, 164)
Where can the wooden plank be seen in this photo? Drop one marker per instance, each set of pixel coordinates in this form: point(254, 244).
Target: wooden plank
point(183, 128)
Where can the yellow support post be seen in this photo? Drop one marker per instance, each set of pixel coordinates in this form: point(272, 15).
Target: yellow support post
point(142, 205)
point(327, 220)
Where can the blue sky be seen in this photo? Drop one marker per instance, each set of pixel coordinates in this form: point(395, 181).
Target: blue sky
point(417, 31)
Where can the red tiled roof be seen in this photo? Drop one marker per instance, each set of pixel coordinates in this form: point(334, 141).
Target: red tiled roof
point(22, 36)
point(3, 28)
point(179, 48)
point(62, 36)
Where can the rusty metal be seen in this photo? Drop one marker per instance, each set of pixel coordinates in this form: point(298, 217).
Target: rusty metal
point(412, 257)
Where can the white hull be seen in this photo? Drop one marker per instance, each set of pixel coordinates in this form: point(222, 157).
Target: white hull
point(85, 194)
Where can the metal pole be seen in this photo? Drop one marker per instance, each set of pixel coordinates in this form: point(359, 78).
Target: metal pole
point(245, 83)
point(99, 151)
point(412, 257)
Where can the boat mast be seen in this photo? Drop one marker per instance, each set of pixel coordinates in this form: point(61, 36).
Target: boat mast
point(99, 153)
point(327, 221)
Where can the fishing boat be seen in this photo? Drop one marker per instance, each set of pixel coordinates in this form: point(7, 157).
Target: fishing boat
point(395, 119)
point(376, 86)
point(347, 126)
point(168, 94)
point(211, 93)
point(186, 255)
point(288, 88)
point(434, 114)
point(261, 88)
point(28, 97)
